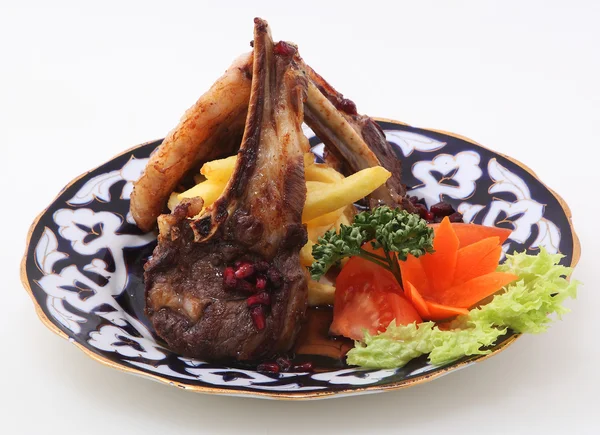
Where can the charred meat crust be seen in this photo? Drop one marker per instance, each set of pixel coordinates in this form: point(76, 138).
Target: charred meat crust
point(209, 129)
point(354, 158)
point(256, 220)
point(212, 128)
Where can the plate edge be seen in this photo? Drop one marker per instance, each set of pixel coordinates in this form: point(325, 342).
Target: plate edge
point(279, 395)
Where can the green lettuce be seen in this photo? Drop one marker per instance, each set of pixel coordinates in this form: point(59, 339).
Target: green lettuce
point(524, 306)
point(397, 345)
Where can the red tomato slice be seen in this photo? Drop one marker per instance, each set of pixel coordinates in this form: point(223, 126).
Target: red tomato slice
point(367, 297)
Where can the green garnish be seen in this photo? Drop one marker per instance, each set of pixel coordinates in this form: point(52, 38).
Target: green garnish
point(524, 306)
point(398, 232)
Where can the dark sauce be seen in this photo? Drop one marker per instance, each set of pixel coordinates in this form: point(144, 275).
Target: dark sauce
point(314, 343)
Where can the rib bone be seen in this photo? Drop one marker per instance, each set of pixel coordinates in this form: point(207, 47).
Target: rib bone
point(355, 140)
point(210, 129)
point(257, 219)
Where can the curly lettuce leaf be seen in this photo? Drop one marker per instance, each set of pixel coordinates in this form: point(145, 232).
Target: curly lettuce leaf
point(397, 345)
point(524, 306)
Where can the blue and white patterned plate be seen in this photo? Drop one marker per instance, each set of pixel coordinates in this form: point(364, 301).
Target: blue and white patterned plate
point(83, 265)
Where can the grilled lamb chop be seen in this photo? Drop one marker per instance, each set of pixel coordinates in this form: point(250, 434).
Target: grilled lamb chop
point(355, 140)
point(210, 129)
point(229, 283)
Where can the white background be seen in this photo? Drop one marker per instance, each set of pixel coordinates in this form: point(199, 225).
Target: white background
point(81, 82)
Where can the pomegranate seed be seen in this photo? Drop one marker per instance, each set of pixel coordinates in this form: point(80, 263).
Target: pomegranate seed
point(284, 49)
point(261, 266)
point(442, 209)
point(259, 299)
point(304, 367)
point(268, 368)
point(422, 210)
point(244, 286)
point(229, 278)
point(244, 270)
point(258, 317)
point(416, 200)
point(261, 283)
point(347, 106)
point(429, 216)
point(455, 217)
point(283, 363)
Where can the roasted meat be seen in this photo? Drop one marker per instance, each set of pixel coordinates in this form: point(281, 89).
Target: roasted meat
point(228, 283)
point(211, 128)
point(355, 140)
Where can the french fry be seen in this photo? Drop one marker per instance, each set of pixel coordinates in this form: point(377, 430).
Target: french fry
point(311, 186)
point(322, 173)
point(209, 191)
point(327, 218)
point(320, 294)
point(173, 201)
point(309, 159)
point(315, 232)
point(341, 193)
point(329, 203)
point(345, 218)
point(306, 258)
point(220, 170)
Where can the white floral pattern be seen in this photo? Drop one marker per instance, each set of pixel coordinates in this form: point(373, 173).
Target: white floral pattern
point(355, 375)
point(410, 142)
point(83, 296)
point(74, 287)
point(528, 212)
point(98, 186)
point(462, 169)
point(113, 339)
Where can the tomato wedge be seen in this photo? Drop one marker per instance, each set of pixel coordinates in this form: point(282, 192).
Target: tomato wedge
point(368, 297)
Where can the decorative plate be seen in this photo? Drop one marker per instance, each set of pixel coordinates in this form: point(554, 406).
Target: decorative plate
point(83, 265)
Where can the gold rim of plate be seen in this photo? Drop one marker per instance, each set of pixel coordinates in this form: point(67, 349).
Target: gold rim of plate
point(283, 395)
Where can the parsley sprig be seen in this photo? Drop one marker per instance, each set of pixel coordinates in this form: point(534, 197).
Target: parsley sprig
point(398, 232)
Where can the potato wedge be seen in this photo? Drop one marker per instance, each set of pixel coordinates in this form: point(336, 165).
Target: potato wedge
point(346, 218)
point(326, 219)
point(311, 186)
point(306, 258)
point(344, 192)
point(220, 170)
point(323, 173)
point(320, 294)
point(309, 159)
point(209, 191)
point(173, 201)
point(315, 232)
